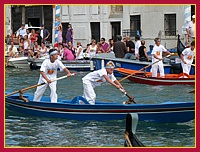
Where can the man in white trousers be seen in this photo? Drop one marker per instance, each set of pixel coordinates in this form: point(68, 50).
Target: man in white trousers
point(157, 55)
point(187, 57)
point(96, 78)
point(49, 72)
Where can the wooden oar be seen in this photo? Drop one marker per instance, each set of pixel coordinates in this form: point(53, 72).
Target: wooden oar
point(127, 138)
point(142, 69)
point(131, 99)
point(31, 87)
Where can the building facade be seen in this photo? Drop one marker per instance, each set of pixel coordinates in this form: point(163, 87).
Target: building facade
point(108, 21)
point(30, 15)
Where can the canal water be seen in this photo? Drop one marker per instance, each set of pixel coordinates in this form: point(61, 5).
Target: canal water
point(30, 131)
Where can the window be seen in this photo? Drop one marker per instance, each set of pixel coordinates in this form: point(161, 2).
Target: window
point(95, 30)
point(135, 25)
point(116, 29)
point(170, 24)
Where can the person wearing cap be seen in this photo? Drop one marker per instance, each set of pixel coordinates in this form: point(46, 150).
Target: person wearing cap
point(48, 72)
point(157, 55)
point(190, 29)
point(44, 33)
point(187, 57)
point(96, 78)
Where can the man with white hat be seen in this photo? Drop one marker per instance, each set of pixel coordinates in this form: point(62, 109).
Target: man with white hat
point(187, 57)
point(157, 51)
point(190, 29)
point(96, 78)
point(48, 72)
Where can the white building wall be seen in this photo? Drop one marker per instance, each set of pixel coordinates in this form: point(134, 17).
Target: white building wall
point(152, 21)
point(105, 27)
point(8, 27)
point(126, 17)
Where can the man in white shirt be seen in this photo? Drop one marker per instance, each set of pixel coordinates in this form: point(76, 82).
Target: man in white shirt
point(137, 46)
point(96, 78)
point(187, 57)
point(49, 72)
point(157, 55)
point(22, 31)
point(12, 52)
point(190, 29)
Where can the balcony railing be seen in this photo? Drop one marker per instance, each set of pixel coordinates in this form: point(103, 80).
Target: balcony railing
point(129, 32)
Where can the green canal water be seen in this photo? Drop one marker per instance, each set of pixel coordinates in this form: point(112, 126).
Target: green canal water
point(25, 131)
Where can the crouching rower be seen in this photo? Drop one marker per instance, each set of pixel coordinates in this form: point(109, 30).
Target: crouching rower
point(96, 78)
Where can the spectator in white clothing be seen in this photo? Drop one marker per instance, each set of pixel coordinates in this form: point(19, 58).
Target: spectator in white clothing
point(21, 32)
point(79, 51)
point(137, 46)
point(190, 29)
point(11, 53)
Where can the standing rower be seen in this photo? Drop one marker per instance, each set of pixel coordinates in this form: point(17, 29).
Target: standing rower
point(187, 57)
point(49, 72)
point(157, 55)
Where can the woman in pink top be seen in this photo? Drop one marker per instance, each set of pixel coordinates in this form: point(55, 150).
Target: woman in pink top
point(68, 55)
point(60, 39)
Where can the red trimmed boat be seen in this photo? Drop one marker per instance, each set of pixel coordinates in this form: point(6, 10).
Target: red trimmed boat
point(146, 78)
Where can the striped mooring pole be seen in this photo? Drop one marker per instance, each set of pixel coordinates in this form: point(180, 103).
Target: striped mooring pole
point(57, 21)
point(187, 19)
point(187, 14)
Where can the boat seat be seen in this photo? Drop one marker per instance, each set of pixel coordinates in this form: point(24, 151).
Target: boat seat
point(79, 98)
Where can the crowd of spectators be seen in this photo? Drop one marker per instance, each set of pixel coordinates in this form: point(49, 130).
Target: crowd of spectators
point(33, 44)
